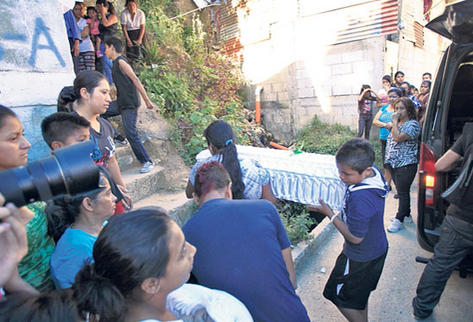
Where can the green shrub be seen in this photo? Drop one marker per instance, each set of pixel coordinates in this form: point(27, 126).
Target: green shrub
point(296, 220)
point(323, 138)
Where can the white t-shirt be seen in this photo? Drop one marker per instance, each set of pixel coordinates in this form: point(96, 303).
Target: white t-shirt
point(86, 44)
point(136, 22)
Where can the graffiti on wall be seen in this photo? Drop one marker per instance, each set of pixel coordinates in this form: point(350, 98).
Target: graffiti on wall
point(33, 42)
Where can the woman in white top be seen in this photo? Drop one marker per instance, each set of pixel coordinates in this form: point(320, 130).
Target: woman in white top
point(86, 48)
point(133, 27)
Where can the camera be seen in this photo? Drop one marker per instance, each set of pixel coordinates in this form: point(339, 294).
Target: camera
point(68, 171)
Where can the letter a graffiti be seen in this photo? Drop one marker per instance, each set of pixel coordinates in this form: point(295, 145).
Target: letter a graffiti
point(40, 28)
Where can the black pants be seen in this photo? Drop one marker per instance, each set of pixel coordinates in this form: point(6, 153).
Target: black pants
point(136, 51)
point(403, 178)
point(129, 117)
point(456, 241)
point(364, 125)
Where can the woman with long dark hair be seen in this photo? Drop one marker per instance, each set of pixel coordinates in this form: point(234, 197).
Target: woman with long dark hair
point(92, 97)
point(402, 155)
point(139, 259)
point(249, 179)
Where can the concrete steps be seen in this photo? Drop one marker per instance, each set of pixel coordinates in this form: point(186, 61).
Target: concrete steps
point(142, 185)
point(176, 203)
point(164, 185)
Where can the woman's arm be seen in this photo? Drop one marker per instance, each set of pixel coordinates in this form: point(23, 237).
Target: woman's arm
point(287, 257)
point(397, 135)
point(116, 175)
point(111, 18)
point(267, 193)
point(376, 121)
point(362, 94)
point(142, 34)
point(127, 37)
point(115, 171)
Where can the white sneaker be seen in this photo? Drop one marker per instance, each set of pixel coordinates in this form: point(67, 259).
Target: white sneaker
point(396, 226)
point(147, 166)
point(407, 220)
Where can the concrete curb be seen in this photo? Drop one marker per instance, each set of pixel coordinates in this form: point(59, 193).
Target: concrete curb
point(302, 250)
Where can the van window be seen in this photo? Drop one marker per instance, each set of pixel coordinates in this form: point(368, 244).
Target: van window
point(461, 102)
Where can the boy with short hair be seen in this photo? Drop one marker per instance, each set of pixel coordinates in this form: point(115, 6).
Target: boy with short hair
point(128, 101)
point(359, 266)
point(62, 129)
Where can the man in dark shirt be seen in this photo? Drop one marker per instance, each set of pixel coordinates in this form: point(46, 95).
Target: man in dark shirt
point(456, 233)
point(243, 249)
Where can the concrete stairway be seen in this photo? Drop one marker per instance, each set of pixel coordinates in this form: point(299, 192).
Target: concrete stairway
point(164, 185)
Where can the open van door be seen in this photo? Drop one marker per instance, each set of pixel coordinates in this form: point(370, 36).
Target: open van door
point(450, 106)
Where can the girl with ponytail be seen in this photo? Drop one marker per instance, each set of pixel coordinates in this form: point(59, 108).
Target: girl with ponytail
point(74, 223)
point(249, 179)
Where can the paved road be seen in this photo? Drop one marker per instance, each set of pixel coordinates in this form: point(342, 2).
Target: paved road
point(391, 301)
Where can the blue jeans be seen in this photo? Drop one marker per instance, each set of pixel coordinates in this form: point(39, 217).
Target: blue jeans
point(456, 241)
point(106, 64)
point(364, 125)
point(129, 117)
point(403, 178)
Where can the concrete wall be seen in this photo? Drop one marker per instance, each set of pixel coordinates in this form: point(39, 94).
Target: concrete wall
point(35, 63)
point(303, 74)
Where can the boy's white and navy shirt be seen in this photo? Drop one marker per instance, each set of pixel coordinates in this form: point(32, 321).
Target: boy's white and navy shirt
point(363, 212)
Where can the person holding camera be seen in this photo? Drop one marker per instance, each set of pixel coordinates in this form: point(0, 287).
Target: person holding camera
point(34, 267)
point(366, 104)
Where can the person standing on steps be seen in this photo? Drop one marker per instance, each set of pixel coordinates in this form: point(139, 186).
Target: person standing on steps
point(133, 27)
point(92, 97)
point(128, 100)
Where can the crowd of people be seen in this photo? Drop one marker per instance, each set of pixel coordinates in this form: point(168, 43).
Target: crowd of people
point(91, 257)
point(399, 117)
point(87, 29)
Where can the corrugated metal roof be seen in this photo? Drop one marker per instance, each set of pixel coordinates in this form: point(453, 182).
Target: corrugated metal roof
point(369, 20)
point(361, 18)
